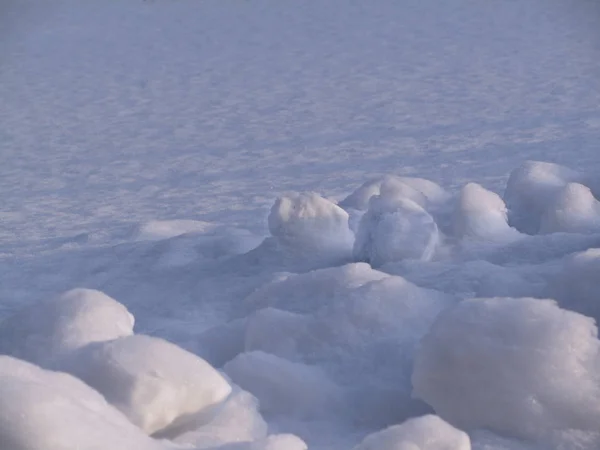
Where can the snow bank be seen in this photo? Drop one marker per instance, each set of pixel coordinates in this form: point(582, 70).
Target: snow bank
point(153, 382)
point(531, 189)
point(573, 210)
point(50, 330)
point(393, 229)
point(481, 214)
point(422, 433)
point(285, 387)
point(54, 411)
point(311, 225)
point(522, 367)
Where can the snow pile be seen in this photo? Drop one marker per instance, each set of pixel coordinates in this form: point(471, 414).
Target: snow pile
point(55, 411)
point(153, 382)
point(395, 228)
point(574, 210)
point(238, 420)
point(576, 285)
point(312, 226)
point(520, 366)
point(531, 189)
point(481, 214)
point(423, 433)
point(418, 190)
point(49, 330)
point(285, 387)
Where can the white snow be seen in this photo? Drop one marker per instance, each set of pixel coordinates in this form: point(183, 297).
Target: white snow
point(55, 411)
point(519, 366)
point(54, 328)
point(153, 382)
point(338, 225)
point(422, 433)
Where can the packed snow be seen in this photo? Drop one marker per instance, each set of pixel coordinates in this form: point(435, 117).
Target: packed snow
point(282, 225)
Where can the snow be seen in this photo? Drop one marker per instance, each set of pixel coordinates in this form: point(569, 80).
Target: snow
point(54, 328)
point(153, 382)
point(534, 362)
point(55, 411)
point(338, 225)
point(422, 433)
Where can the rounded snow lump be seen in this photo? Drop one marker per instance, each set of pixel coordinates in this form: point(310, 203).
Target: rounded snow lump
point(519, 366)
point(574, 210)
point(421, 433)
point(531, 188)
point(308, 222)
point(153, 382)
point(419, 190)
point(55, 411)
point(394, 229)
point(481, 214)
point(52, 329)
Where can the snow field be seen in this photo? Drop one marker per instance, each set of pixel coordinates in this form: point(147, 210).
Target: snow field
point(441, 321)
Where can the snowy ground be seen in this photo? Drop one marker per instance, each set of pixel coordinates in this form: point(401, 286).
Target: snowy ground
point(154, 150)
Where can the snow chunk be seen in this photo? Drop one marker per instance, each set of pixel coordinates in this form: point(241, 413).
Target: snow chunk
point(481, 214)
point(419, 190)
point(394, 229)
point(153, 382)
point(238, 420)
point(421, 433)
point(55, 411)
point(574, 210)
point(518, 366)
point(306, 292)
point(531, 189)
point(49, 330)
point(310, 224)
point(285, 387)
point(576, 286)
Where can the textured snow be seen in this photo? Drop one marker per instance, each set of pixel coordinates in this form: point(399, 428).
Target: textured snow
point(331, 220)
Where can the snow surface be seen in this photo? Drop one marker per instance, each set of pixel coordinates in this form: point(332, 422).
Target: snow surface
point(337, 224)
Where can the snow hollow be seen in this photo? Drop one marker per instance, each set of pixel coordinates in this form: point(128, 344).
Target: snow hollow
point(281, 225)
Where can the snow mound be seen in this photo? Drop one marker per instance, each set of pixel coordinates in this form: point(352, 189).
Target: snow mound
point(574, 210)
point(576, 285)
point(273, 442)
point(531, 189)
point(277, 332)
point(519, 366)
point(311, 225)
point(285, 387)
point(482, 214)
point(238, 420)
point(394, 229)
point(50, 330)
point(55, 411)
point(153, 382)
point(422, 433)
point(419, 190)
point(304, 293)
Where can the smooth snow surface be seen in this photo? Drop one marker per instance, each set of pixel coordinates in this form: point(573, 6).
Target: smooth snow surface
point(338, 224)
